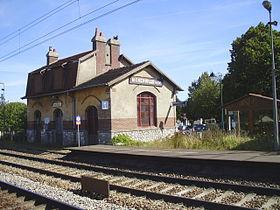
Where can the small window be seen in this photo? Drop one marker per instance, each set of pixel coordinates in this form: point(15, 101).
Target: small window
point(146, 109)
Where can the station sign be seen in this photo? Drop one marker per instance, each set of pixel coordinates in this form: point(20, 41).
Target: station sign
point(145, 81)
point(57, 104)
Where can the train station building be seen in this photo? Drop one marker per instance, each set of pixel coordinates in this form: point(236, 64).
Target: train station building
point(110, 93)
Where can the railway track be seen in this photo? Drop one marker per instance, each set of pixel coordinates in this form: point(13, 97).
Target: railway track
point(13, 197)
point(211, 195)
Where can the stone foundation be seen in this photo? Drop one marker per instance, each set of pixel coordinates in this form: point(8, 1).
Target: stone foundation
point(147, 134)
point(30, 135)
point(70, 136)
point(104, 137)
point(49, 137)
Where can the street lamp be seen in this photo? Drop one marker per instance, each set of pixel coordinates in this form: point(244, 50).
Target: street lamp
point(219, 78)
point(2, 103)
point(268, 6)
point(2, 98)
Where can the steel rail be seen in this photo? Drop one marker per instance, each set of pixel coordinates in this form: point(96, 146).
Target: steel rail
point(172, 180)
point(39, 199)
point(148, 194)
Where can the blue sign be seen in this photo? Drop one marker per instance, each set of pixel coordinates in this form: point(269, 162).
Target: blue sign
point(78, 120)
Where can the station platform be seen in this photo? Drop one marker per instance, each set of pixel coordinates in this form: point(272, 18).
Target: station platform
point(245, 165)
point(246, 156)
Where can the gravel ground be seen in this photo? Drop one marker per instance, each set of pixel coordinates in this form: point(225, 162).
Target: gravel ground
point(126, 200)
point(130, 201)
point(57, 193)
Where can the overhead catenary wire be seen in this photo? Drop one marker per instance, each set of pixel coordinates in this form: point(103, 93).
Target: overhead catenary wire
point(73, 28)
point(35, 22)
point(58, 28)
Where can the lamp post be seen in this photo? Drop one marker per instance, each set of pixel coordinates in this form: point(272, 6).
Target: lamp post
point(268, 6)
point(219, 78)
point(2, 103)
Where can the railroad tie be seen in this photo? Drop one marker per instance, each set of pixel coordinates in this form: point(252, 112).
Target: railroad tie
point(9, 195)
point(220, 198)
point(246, 198)
point(115, 179)
point(204, 193)
point(106, 177)
point(167, 189)
point(270, 202)
point(40, 207)
point(153, 186)
point(21, 198)
point(25, 205)
point(129, 182)
point(185, 191)
point(74, 173)
point(139, 183)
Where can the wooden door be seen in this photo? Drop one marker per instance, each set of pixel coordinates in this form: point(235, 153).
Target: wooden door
point(92, 125)
point(58, 123)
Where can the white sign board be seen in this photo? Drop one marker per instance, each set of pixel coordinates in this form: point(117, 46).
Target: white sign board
point(145, 81)
point(46, 120)
point(104, 105)
point(56, 104)
point(78, 120)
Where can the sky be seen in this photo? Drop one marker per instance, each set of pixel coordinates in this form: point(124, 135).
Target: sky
point(182, 38)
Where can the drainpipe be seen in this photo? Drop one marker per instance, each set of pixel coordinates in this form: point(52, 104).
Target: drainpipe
point(74, 112)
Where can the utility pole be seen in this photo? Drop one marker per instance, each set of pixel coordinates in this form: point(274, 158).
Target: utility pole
point(268, 6)
point(2, 102)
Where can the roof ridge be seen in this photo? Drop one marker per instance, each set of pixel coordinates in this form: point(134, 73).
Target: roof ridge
point(128, 66)
point(81, 54)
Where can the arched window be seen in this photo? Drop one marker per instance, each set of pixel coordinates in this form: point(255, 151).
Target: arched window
point(146, 109)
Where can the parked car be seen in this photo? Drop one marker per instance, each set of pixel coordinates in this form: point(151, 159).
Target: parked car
point(185, 129)
point(199, 127)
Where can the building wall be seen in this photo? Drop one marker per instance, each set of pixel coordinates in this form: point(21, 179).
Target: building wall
point(124, 108)
point(83, 99)
point(120, 118)
point(86, 69)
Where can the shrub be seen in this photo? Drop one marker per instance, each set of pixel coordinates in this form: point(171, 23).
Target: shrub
point(125, 140)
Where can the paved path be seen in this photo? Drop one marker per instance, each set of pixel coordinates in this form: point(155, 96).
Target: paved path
point(251, 156)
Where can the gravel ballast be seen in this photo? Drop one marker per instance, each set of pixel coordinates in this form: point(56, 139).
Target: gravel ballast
point(56, 193)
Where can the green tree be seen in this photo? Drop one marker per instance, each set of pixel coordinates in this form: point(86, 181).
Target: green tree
point(203, 101)
point(13, 117)
point(250, 67)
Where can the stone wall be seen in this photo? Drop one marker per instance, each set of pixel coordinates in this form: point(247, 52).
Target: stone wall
point(104, 137)
point(30, 135)
point(49, 137)
point(147, 134)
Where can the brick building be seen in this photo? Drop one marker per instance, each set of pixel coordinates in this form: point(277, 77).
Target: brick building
point(111, 94)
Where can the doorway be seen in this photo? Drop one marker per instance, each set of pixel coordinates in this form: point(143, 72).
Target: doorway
point(37, 126)
point(92, 125)
point(58, 123)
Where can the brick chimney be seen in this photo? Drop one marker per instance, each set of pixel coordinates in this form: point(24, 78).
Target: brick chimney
point(107, 52)
point(114, 51)
point(52, 56)
point(99, 45)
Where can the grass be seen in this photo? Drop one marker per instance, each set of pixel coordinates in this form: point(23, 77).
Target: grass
point(210, 140)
